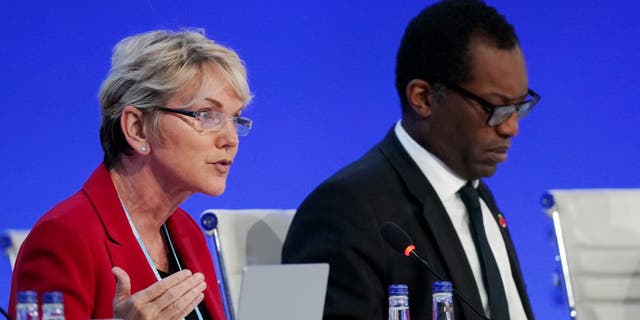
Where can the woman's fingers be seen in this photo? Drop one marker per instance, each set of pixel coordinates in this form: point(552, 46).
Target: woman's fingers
point(155, 290)
point(170, 298)
point(181, 307)
point(179, 297)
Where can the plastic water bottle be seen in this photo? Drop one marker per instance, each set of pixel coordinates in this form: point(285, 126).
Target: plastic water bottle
point(442, 301)
point(52, 306)
point(27, 305)
point(399, 302)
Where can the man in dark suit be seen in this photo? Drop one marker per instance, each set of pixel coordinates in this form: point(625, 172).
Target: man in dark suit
point(463, 86)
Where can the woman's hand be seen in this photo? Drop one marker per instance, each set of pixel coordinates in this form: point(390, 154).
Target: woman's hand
point(170, 298)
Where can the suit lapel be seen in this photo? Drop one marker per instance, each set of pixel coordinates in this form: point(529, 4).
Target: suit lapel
point(123, 248)
point(437, 219)
point(196, 258)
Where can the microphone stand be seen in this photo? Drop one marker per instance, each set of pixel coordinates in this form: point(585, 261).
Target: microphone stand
point(5, 314)
point(209, 223)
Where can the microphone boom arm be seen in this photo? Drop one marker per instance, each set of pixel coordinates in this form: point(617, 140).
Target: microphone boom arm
point(455, 292)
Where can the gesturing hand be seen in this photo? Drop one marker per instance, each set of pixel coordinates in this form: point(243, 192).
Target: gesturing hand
point(170, 298)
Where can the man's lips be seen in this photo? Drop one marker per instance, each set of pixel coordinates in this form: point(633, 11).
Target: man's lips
point(498, 154)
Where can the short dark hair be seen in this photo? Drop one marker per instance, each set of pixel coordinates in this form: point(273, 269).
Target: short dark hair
point(435, 45)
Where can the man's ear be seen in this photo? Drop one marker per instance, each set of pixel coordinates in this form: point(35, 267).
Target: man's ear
point(420, 96)
point(134, 130)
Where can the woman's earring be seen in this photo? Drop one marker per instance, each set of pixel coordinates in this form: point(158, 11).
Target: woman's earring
point(143, 149)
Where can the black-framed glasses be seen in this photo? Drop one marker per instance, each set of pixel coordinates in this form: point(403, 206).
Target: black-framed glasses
point(499, 114)
point(212, 121)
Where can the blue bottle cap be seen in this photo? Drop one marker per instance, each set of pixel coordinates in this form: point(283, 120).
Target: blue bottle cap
point(398, 289)
point(27, 296)
point(442, 286)
point(52, 297)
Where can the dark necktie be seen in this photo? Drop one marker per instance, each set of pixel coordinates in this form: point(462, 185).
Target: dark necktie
point(490, 275)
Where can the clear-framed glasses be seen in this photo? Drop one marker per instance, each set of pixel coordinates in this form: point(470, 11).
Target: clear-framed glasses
point(212, 121)
point(499, 114)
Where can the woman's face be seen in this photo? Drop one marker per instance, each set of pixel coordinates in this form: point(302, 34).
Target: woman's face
point(188, 159)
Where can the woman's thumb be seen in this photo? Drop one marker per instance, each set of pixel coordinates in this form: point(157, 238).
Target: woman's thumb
point(123, 285)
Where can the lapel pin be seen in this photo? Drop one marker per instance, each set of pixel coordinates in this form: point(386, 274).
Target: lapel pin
point(502, 221)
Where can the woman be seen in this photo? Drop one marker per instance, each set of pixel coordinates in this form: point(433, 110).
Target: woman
point(121, 247)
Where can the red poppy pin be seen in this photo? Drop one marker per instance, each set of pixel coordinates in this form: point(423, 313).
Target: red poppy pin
point(502, 221)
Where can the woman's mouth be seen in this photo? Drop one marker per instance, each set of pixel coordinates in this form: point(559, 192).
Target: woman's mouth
point(222, 165)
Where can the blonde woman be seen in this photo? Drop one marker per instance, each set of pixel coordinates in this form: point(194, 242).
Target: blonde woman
point(121, 247)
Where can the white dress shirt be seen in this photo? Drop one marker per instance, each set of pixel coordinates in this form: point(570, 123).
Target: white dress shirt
point(447, 184)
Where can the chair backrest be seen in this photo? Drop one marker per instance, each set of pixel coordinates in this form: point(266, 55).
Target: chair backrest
point(11, 240)
point(249, 237)
point(598, 237)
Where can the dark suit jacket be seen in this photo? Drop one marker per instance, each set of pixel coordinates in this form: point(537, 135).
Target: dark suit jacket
point(73, 247)
point(339, 223)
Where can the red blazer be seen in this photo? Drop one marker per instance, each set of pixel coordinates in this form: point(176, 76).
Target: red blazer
point(73, 247)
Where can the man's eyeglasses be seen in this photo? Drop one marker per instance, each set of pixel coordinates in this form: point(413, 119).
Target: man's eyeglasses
point(212, 121)
point(500, 114)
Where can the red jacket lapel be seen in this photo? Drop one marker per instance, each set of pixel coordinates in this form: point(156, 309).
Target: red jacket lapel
point(122, 245)
point(195, 256)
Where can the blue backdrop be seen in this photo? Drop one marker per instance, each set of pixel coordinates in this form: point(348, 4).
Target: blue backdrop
point(322, 73)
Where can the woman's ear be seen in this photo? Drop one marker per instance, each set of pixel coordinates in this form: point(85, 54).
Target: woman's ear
point(420, 96)
point(134, 130)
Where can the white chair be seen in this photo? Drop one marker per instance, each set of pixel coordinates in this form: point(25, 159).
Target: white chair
point(11, 240)
point(249, 237)
point(598, 237)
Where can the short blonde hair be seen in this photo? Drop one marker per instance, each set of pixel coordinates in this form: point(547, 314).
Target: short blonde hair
point(149, 68)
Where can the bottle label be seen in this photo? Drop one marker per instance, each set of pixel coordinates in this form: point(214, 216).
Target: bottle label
point(52, 312)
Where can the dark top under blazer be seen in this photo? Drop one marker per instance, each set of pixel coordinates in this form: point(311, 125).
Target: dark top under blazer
point(339, 223)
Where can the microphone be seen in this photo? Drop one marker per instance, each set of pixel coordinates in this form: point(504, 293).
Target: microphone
point(209, 223)
point(400, 241)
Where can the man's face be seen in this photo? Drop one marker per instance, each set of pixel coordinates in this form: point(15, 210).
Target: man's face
point(460, 135)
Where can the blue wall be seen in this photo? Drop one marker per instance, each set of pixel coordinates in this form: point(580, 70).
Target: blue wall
point(322, 73)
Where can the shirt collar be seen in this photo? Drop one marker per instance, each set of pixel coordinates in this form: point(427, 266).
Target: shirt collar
point(445, 182)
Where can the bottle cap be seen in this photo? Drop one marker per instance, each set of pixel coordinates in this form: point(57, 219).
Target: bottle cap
point(52, 297)
point(27, 296)
point(442, 286)
point(398, 289)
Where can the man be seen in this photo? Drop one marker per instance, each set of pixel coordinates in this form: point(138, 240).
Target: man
point(463, 86)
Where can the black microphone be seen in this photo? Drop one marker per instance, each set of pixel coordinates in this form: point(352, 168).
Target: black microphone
point(400, 241)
